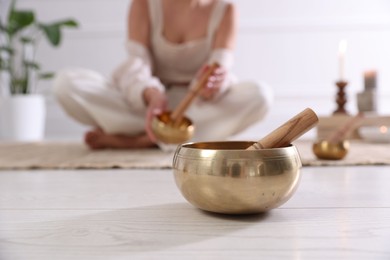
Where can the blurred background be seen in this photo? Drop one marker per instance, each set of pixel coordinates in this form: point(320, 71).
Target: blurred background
point(292, 45)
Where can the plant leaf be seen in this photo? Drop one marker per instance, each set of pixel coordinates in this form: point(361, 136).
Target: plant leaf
point(52, 33)
point(26, 39)
point(7, 49)
point(4, 65)
point(19, 19)
point(32, 65)
point(68, 23)
point(19, 85)
point(46, 75)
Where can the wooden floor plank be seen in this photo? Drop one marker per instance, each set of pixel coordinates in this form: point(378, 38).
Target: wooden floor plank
point(336, 213)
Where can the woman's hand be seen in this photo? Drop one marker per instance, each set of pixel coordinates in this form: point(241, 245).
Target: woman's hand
point(156, 102)
point(214, 83)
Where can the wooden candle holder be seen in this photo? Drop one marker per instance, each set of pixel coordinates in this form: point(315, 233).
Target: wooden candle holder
point(341, 97)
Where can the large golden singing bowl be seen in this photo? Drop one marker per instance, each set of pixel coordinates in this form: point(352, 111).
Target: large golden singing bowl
point(166, 132)
point(331, 151)
point(223, 177)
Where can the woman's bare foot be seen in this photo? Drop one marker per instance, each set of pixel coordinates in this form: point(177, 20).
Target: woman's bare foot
point(97, 139)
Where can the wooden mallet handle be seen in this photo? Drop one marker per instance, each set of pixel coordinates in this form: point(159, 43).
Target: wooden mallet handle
point(288, 132)
point(344, 130)
point(177, 114)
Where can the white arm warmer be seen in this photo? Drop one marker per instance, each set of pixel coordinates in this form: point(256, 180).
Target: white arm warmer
point(135, 74)
point(223, 57)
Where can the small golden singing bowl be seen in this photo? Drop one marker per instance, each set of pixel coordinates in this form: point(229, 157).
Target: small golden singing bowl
point(223, 177)
point(331, 151)
point(166, 132)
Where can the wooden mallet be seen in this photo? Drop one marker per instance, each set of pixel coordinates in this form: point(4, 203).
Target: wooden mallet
point(340, 134)
point(178, 113)
point(288, 132)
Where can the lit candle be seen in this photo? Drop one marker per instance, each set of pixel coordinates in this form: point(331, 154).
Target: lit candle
point(383, 129)
point(370, 80)
point(342, 49)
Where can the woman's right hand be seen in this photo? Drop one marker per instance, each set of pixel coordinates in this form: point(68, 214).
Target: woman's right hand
point(156, 102)
point(213, 84)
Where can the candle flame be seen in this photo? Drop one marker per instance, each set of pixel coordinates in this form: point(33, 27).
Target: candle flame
point(342, 47)
point(383, 129)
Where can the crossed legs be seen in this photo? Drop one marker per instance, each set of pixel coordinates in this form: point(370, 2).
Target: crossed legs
point(98, 139)
point(87, 98)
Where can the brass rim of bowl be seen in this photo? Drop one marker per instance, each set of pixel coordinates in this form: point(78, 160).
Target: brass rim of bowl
point(238, 148)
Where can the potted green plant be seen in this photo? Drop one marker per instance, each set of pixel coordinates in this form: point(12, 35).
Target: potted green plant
point(22, 109)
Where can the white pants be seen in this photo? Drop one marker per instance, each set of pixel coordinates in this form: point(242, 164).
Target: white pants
point(87, 97)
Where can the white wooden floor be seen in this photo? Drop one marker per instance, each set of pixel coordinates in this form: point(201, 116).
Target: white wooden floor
point(336, 213)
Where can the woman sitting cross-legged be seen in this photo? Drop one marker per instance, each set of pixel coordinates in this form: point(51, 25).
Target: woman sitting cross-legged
point(170, 42)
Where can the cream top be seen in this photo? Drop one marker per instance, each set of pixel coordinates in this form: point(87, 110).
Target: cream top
point(179, 62)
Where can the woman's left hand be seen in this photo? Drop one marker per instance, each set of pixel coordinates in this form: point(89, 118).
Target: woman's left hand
point(214, 83)
point(156, 104)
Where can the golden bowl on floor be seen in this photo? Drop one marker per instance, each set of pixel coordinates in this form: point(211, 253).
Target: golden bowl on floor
point(166, 132)
point(223, 177)
point(331, 151)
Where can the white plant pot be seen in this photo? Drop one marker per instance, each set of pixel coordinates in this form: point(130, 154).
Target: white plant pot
point(22, 117)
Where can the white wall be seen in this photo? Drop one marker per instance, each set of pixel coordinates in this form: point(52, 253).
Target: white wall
point(290, 44)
